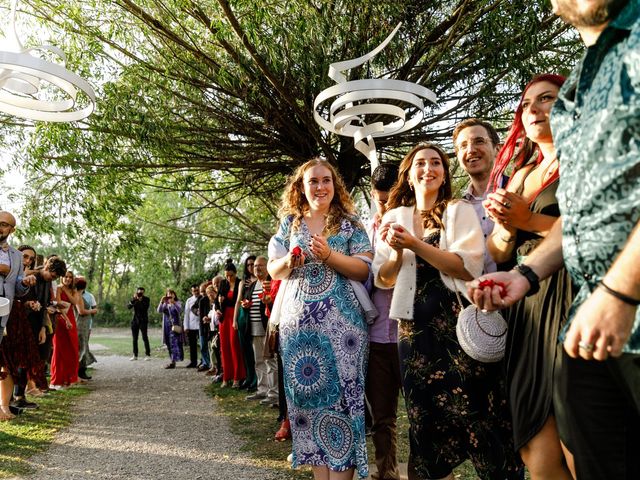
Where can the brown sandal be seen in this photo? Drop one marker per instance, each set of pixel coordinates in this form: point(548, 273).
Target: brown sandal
point(285, 431)
point(35, 392)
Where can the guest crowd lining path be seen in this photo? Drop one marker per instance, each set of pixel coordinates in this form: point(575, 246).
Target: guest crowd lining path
point(143, 422)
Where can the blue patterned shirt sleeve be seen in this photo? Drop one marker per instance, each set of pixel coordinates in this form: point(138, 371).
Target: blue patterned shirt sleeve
point(596, 130)
point(282, 235)
point(359, 240)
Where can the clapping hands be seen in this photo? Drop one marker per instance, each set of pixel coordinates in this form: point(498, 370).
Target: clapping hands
point(508, 209)
point(396, 236)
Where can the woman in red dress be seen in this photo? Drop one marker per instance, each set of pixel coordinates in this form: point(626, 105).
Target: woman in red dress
point(232, 363)
point(65, 362)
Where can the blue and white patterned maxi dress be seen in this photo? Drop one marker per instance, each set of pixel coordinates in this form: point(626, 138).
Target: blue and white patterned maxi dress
point(324, 348)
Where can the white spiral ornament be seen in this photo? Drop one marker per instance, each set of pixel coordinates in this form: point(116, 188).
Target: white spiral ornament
point(346, 107)
point(37, 89)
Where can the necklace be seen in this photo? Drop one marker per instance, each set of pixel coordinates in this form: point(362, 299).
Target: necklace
point(548, 172)
point(316, 224)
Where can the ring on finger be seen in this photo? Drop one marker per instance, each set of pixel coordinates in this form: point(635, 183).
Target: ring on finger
point(506, 204)
point(587, 347)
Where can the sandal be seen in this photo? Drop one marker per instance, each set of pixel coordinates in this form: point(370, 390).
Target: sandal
point(170, 365)
point(236, 384)
point(34, 392)
point(285, 431)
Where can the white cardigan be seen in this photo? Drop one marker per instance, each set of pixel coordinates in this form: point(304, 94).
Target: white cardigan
point(461, 235)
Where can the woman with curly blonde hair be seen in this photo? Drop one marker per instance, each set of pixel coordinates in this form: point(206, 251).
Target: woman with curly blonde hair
point(426, 245)
point(320, 249)
point(295, 203)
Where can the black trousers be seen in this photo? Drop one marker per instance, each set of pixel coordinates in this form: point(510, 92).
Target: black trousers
point(140, 327)
point(598, 412)
point(382, 390)
point(193, 336)
point(282, 398)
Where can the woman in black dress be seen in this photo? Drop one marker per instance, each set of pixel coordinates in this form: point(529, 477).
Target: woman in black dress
point(523, 213)
point(456, 405)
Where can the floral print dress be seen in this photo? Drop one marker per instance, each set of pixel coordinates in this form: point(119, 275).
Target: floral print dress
point(456, 406)
point(173, 341)
point(324, 348)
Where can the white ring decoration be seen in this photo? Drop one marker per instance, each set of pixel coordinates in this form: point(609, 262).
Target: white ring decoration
point(353, 101)
point(22, 76)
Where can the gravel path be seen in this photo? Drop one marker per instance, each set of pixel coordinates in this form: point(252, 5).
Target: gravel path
point(143, 422)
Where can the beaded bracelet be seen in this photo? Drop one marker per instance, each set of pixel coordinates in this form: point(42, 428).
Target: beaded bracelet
point(620, 296)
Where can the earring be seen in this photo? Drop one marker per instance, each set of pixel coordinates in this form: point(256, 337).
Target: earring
point(411, 187)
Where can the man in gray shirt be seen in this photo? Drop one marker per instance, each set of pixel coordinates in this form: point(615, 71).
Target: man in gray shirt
point(476, 144)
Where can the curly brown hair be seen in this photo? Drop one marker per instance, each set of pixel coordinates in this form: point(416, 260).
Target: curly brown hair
point(402, 195)
point(295, 203)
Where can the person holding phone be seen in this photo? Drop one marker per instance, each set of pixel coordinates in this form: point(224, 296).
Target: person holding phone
point(140, 322)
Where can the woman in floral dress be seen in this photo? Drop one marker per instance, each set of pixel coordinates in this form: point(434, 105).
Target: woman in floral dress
point(170, 308)
point(456, 405)
point(320, 248)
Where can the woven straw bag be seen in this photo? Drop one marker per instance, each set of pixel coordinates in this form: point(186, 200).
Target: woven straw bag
point(482, 335)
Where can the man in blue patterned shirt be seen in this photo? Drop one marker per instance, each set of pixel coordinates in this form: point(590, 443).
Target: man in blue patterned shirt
point(596, 130)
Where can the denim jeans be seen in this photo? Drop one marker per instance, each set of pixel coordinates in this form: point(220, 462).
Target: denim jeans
point(204, 351)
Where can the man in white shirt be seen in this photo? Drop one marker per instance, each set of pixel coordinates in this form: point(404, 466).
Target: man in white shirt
point(192, 325)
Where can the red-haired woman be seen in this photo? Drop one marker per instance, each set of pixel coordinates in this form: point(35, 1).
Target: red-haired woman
point(524, 212)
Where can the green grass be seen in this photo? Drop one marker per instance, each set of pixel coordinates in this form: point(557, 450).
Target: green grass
point(256, 425)
point(34, 430)
point(117, 341)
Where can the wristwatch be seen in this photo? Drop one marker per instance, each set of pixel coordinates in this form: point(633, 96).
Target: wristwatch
point(530, 275)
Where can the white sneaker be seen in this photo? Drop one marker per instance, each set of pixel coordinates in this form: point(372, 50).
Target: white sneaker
point(133, 358)
point(290, 458)
point(269, 401)
point(256, 396)
point(147, 358)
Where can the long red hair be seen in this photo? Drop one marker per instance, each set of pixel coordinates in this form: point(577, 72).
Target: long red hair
point(517, 147)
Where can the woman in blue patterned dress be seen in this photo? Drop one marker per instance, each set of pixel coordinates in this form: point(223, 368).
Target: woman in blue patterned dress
point(322, 247)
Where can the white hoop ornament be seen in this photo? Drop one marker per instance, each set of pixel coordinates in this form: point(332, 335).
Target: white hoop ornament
point(22, 77)
point(348, 105)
